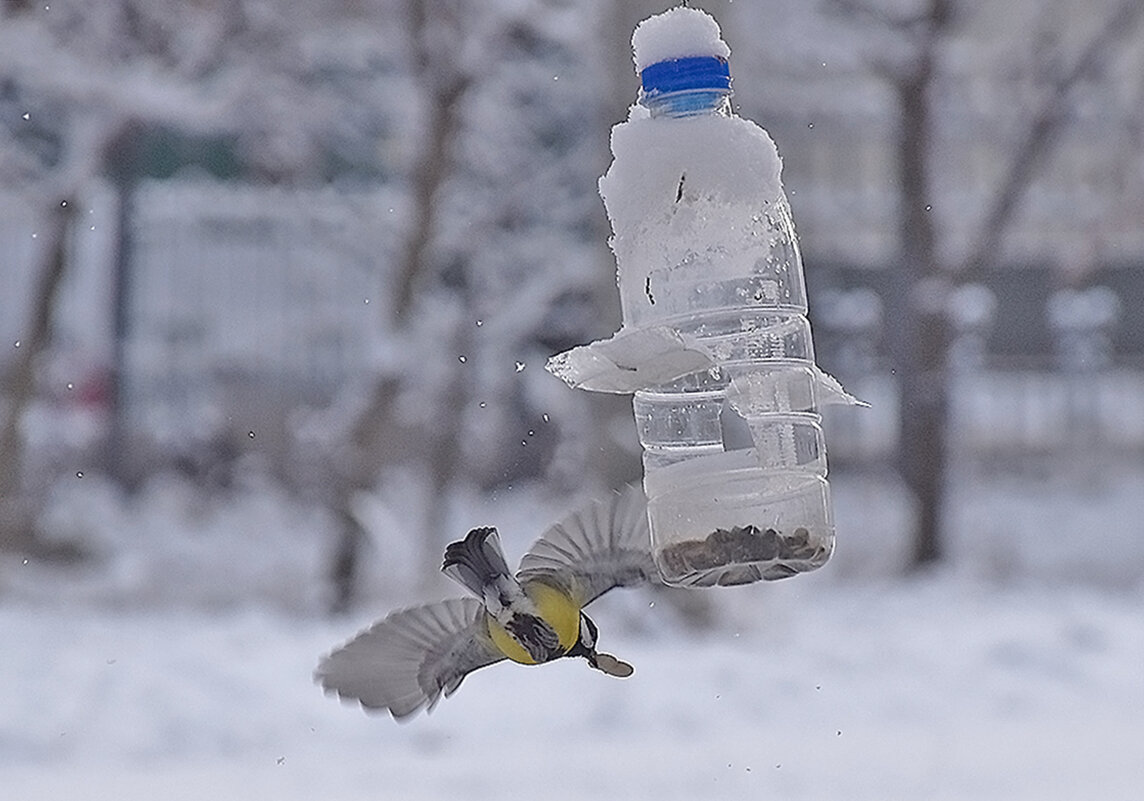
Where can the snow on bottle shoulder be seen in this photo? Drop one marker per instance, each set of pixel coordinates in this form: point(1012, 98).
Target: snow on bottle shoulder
point(715, 343)
point(694, 192)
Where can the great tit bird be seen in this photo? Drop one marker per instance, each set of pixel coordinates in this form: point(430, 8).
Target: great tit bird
point(412, 657)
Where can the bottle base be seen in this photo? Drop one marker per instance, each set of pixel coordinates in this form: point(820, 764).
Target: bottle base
point(741, 555)
point(721, 519)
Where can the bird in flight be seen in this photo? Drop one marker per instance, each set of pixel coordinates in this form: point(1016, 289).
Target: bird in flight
point(411, 658)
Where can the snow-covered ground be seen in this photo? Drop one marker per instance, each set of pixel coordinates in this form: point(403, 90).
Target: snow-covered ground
point(933, 689)
point(1006, 675)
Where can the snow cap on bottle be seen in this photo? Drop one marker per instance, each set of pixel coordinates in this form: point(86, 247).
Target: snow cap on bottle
point(677, 33)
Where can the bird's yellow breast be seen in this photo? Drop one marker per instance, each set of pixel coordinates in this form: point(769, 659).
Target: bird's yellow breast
point(557, 609)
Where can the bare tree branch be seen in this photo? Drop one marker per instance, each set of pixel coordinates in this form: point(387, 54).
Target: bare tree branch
point(871, 11)
point(922, 28)
point(1044, 127)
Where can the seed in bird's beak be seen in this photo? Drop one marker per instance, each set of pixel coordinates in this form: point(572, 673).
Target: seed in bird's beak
point(607, 663)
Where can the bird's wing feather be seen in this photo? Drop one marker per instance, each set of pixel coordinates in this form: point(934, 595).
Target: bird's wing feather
point(602, 545)
point(406, 661)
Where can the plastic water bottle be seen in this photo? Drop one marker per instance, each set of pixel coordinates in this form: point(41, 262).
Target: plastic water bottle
point(715, 344)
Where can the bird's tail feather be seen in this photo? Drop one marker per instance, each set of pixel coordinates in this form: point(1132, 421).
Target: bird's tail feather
point(476, 561)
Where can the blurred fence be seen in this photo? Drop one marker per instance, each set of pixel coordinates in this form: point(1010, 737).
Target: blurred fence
point(249, 301)
point(252, 297)
point(1003, 415)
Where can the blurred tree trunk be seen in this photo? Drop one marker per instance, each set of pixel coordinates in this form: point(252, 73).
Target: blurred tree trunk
point(438, 28)
point(442, 87)
point(434, 28)
point(916, 313)
point(921, 332)
point(121, 157)
point(17, 511)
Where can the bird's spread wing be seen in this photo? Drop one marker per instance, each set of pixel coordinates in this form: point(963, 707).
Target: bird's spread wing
point(603, 545)
point(406, 661)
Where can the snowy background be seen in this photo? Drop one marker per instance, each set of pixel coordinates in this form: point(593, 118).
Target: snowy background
point(158, 633)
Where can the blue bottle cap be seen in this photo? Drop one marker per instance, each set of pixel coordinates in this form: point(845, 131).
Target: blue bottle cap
point(686, 85)
point(686, 74)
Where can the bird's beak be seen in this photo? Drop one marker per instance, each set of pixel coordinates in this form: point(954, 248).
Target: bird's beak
point(606, 663)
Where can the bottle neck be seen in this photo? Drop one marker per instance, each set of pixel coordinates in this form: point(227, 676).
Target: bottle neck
point(687, 87)
point(692, 103)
